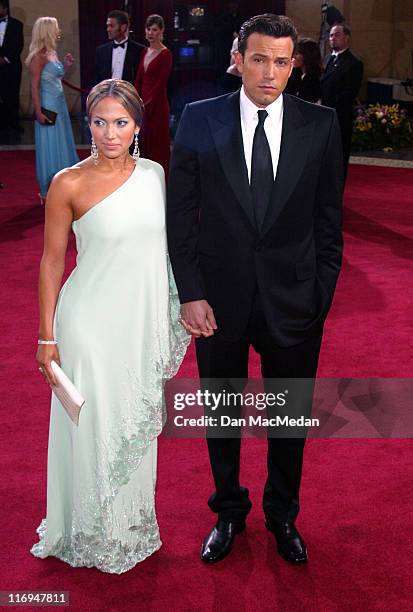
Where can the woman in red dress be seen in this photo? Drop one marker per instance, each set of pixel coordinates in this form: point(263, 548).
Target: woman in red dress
point(151, 81)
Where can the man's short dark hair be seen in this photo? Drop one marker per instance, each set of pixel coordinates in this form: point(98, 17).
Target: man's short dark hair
point(121, 17)
point(277, 26)
point(346, 29)
point(5, 4)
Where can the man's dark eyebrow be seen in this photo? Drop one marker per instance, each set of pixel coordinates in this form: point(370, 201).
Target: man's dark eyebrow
point(257, 54)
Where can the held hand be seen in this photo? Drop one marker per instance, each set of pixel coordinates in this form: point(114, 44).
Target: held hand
point(44, 356)
point(68, 60)
point(198, 319)
point(42, 119)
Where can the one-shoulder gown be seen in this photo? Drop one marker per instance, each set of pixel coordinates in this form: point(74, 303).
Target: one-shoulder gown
point(119, 337)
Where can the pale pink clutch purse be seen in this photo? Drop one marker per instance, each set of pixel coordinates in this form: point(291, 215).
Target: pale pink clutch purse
point(67, 394)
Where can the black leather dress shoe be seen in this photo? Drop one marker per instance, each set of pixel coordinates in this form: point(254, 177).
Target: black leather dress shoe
point(290, 544)
point(218, 543)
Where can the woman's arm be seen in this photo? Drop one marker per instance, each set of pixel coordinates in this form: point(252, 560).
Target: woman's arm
point(68, 61)
point(36, 66)
point(59, 216)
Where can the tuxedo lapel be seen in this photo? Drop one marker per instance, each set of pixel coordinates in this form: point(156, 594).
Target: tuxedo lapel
point(335, 67)
point(127, 63)
point(227, 136)
point(296, 138)
point(8, 34)
point(328, 67)
point(107, 59)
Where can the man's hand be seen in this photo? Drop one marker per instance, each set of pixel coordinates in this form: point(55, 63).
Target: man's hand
point(198, 318)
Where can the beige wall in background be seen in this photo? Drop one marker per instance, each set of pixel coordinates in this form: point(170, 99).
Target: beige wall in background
point(382, 32)
point(66, 12)
point(402, 38)
point(306, 16)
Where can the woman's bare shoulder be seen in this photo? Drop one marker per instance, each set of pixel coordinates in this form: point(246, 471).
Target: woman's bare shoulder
point(72, 175)
point(70, 180)
point(38, 61)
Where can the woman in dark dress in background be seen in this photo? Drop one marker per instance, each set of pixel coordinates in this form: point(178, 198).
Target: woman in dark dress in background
point(151, 82)
point(304, 81)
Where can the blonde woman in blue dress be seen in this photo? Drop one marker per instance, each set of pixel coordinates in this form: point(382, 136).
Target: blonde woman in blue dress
point(116, 327)
point(55, 145)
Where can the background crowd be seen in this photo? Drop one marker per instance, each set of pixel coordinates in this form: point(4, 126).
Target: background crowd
point(332, 81)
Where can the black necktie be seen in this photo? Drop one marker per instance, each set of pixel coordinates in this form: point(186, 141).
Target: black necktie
point(121, 45)
point(331, 64)
point(3, 19)
point(262, 174)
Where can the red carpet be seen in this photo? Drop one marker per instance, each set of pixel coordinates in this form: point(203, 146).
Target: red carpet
point(356, 494)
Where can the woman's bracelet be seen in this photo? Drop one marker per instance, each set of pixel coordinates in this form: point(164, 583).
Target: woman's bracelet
point(46, 342)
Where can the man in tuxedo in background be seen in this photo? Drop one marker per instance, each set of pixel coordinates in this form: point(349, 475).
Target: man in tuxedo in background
point(254, 234)
point(341, 82)
point(11, 46)
point(119, 58)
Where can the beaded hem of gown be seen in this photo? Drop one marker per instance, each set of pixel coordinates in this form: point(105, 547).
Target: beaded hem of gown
point(102, 475)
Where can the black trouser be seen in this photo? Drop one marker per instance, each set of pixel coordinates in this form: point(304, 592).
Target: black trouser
point(10, 97)
point(218, 359)
point(346, 129)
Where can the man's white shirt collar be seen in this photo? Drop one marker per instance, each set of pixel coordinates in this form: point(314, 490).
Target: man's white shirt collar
point(249, 111)
point(125, 40)
point(336, 53)
point(272, 127)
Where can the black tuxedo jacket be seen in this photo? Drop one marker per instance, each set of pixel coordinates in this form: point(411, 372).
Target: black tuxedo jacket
point(216, 251)
point(340, 85)
point(13, 45)
point(130, 67)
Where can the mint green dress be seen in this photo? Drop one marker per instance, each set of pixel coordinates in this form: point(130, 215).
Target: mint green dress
point(117, 328)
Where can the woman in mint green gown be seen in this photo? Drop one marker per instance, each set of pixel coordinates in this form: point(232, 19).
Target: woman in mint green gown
point(55, 146)
point(118, 336)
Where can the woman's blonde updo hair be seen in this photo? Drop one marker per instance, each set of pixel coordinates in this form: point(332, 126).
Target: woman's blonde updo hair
point(44, 36)
point(125, 94)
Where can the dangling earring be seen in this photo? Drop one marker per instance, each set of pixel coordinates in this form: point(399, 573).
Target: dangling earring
point(136, 153)
point(94, 152)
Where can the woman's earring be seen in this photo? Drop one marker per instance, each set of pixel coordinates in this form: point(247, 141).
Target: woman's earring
point(94, 152)
point(136, 153)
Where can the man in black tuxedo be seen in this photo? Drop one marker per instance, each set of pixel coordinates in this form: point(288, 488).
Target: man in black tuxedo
point(119, 58)
point(341, 82)
point(11, 46)
point(254, 233)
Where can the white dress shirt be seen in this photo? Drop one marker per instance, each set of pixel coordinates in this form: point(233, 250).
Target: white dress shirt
point(3, 28)
point(272, 128)
point(337, 53)
point(118, 60)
